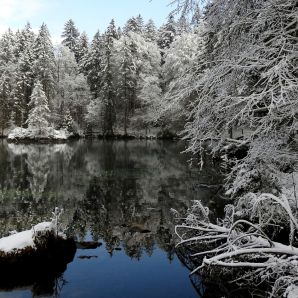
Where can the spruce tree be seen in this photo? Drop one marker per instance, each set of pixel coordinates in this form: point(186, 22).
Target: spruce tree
point(39, 115)
point(44, 67)
point(24, 40)
point(81, 48)
point(125, 78)
point(24, 75)
point(91, 64)
point(150, 31)
point(7, 76)
point(167, 33)
point(140, 24)
point(134, 25)
point(70, 35)
point(7, 48)
point(108, 93)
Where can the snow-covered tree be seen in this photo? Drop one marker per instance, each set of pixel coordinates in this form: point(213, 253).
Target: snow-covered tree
point(91, 63)
point(183, 65)
point(24, 40)
point(134, 25)
point(7, 47)
point(139, 65)
point(70, 35)
point(39, 115)
point(248, 81)
point(44, 67)
point(81, 47)
point(125, 78)
point(7, 77)
point(24, 75)
point(99, 66)
point(251, 82)
point(108, 92)
point(150, 31)
point(72, 90)
point(167, 33)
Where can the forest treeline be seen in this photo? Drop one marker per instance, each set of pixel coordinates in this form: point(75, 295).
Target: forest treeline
point(114, 83)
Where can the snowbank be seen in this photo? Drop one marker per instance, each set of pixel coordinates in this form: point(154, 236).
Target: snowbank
point(25, 239)
point(36, 255)
point(36, 134)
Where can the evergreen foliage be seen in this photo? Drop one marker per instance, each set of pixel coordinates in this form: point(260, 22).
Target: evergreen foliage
point(39, 114)
point(70, 35)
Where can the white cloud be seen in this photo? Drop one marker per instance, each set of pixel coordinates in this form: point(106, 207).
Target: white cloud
point(14, 11)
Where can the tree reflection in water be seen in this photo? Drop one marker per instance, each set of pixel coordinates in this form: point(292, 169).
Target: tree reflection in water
point(118, 192)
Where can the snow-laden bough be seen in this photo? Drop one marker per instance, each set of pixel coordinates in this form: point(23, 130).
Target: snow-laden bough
point(242, 244)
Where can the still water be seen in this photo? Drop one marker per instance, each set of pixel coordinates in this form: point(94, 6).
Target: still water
point(117, 193)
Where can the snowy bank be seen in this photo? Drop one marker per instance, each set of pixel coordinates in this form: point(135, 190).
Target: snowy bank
point(42, 244)
point(17, 242)
point(35, 134)
point(34, 257)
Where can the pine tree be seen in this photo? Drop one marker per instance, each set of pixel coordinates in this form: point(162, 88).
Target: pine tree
point(7, 48)
point(81, 48)
point(167, 33)
point(70, 35)
point(125, 77)
point(7, 76)
point(39, 115)
point(44, 67)
point(108, 93)
point(134, 25)
point(91, 64)
point(150, 31)
point(24, 40)
point(24, 75)
point(140, 24)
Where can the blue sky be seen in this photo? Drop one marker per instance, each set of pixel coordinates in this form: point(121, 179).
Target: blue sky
point(88, 15)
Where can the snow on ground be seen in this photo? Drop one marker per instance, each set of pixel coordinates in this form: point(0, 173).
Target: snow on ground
point(24, 239)
point(49, 133)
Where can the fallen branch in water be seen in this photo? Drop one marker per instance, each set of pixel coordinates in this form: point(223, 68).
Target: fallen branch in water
point(243, 244)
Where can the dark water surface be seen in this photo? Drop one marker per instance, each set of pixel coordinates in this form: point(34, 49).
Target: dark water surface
point(118, 193)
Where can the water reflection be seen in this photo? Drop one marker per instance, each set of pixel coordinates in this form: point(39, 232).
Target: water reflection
point(117, 192)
